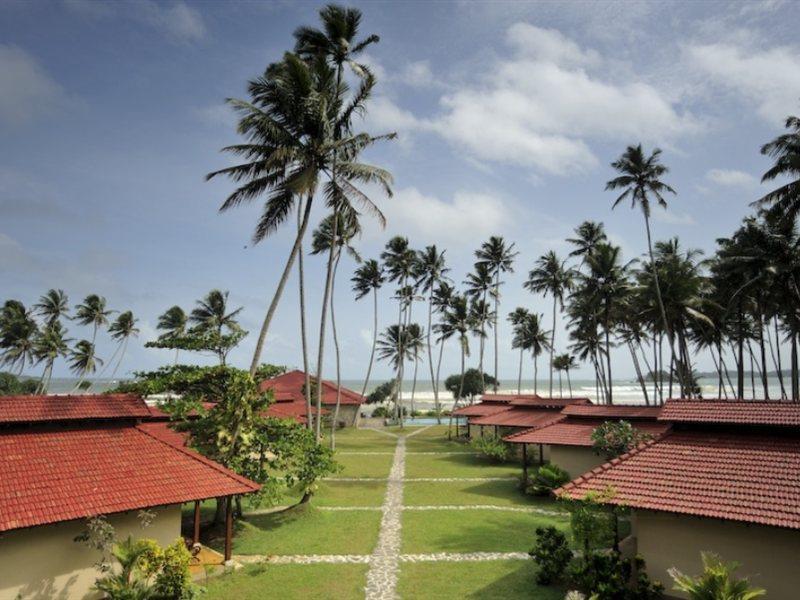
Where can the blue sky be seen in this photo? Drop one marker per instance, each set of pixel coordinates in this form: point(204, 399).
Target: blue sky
point(508, 115)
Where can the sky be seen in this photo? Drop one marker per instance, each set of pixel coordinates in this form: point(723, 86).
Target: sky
point(508, 116)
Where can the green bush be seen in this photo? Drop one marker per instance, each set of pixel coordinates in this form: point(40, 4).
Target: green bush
point(545, 479)
point(381, 411)
point(607, 576)
point(11, 385)
point(716, 582)
point(551, 553)
point(491, 447)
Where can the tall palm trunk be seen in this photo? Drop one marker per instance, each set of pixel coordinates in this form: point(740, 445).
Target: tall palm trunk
point(560, 387)
point(496, 313)
point(482, 345)
point(336, 351)
point(795, 378)
point(438, 371)
point(776, 356)
point(287, 269)
point(638, 370)
point(763, 353)
point(414, 382)
point(569, 383)
point(121, 356)
point(460, 387)
point(301, 289)
point(553, 343)
point(324, 316)
point(434, 383)
point(608, 360)
point(535, 373)
point(740, 360)
point(374, 339)
point(519, 376)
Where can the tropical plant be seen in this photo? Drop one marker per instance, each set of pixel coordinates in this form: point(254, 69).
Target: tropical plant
point(18, 333)
point(52, 306)
point(785, 150)
point(472, 386)
point(551, 276)
point(517, 318)
point(564, 362)
point(82, 361)
point(545, 479)
point(551, 554)
point(396, 345)
point(173, 323)
point(11, 385)
point(369, 278)
point(717, 582)
point(211, 317)
point(479, 284)
point(92, 311)
point(50, 345)
point(612, 439)
point(492, 447)
point(587, 236)
point(121, 330)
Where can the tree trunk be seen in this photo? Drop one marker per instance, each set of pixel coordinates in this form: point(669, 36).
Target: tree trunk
point(496, 313)
point(553, 343)
point(569, 383)
point(776, 356)
point(482, 344)
point(638, 370)
point(519, 376)
point(336, 350)
point(279, 290)
point(460, 391)
point(301, 288)
point(535, 374)
point(374, 338)
point(795, 371)
point(763, 352)
point(740, 361)
point(608, 358)
point(430, 351)
point(438, 371)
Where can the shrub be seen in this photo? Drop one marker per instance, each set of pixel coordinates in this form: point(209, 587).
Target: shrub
point(380, 411)
point(173, 579)
point(717, 582)
point(551, 553)
point(491, 447)
point(607, 576)
point(545, 479)
point(612, 440)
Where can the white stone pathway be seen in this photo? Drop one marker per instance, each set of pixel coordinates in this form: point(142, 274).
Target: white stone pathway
point(312, 559)
point(369, 453)
point(421, 479)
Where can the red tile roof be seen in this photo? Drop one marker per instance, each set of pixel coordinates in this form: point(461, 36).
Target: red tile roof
point(480, 409)
point(548, 402)
point(506, 398)
point(289, 387)
point(733, 412)
point(613, 411)
point(739, 477)
point(60, 474)
point(577, 432)
point(292, 410)
point(39, 409)
point(519, 417)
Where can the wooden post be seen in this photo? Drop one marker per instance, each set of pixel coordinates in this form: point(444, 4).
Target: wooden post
point(525, 465)
point(228, 527)
point(541, 454)
point(496, 431)
point(481, 431)
point(196, 536)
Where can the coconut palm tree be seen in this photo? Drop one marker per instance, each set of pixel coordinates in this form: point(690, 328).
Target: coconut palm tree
point(50, 345)
point(565, 362)
point(173, 323)
point(211, 316)
point(457, 321)
point(52, 306)
point(535, 340)
point(480, 284)
point(587, 235)
point(431, 274)
point(442, 297)
point(121, 330)
point(83, 361)
point(640, 181)
point(18, 332)
point(337, 229)
point(517, 319)
point(368, 278)
point(551, 276)
point(92, 311)
point(499, 257)
point(785, 150)
point(397, 345)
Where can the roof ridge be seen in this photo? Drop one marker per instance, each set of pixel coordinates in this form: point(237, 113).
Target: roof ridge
point(202, 459)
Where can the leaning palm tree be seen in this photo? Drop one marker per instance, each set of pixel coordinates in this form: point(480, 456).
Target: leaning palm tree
point(121, 330)
point(52, 306)
point(92, 311)
point(173, 323)
point(551, 276)
point(397, 345)
point(640, 180)
point(564, 362)
point(50, 345)
point(83, 361)
point(431, 274)
point(785, 150)
point(337, 230)
point(499, 257)
point(211, 316)
point(18, 332)
point(368, 278)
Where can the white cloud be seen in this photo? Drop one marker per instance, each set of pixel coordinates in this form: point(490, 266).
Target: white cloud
point(417, 74)
point(673, 218)
point(768, 79)
point(731, 178)
point(26, 90)
point(460, 221)
point(542, 106)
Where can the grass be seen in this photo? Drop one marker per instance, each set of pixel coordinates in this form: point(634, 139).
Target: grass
point(458, 465)
point(290, 582)
point(435, 439)
point(305, 530)
point(364, 440)
point(492, 580)
point(472, 530)
point(364, 465)
point(498, 493)
point(350, 493)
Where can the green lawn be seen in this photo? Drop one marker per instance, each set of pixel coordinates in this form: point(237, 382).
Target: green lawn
point(305, 530)
point(498, 493)
point(472, 530)
point(350, 493)
point(458, 465)
point(492, 580)
point(364, 440)
point(434, 439)
point(364, 465)
point(290, 582)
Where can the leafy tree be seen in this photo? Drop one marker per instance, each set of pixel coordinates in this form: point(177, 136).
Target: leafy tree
point(11, 385)
point(551, 553)
point(613, 439)
point(472, 386)
point(383, 392)
point(18, 332)
point(173, 323)
point(785, 150)
point(211, 318)
point(716, 582)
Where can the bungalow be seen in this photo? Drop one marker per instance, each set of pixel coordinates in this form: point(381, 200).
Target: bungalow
point(568, 442)
point(489, 404)
point(290, 398)
point(67, 458)
point(725, 479)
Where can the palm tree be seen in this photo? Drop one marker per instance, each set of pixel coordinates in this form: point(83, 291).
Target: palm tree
point(92, 311)
point(211, 316)
point(558, 365)
point(173, 323)
point(18, 332)
point(83, 361)
point(640, 180)
point(587, 236)
point(337, 230)
point(457, 321)
point(431, 274)
point(499, 257)
point(121, 330)
point(479, 284)
point(397, 344)
point(442, 297)
point(50, 344)
point(368, 278)
point(517, 319)
point(565, 362)
point(785, 150)
point(52, 306)
point(550, 276)
point(535, 340)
